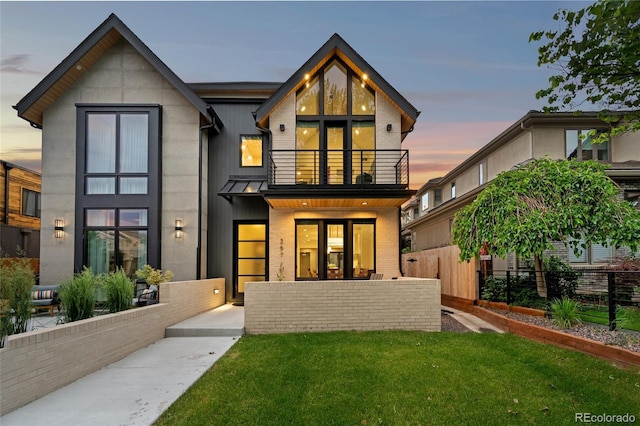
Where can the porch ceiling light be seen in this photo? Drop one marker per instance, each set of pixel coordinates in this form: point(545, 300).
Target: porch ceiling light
point(178, 229)
point(58, 228)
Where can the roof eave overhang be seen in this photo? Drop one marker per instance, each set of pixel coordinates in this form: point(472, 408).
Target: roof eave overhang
point(83, 57)
point(333, 199)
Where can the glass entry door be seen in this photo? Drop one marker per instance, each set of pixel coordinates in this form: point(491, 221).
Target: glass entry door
point(335, 251)
point(335, 144)
point(250, 255)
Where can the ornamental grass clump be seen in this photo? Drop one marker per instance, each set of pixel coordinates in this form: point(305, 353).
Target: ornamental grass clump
point(119, 290)
point(77, 295)
point(16, 280)
point(566, 312)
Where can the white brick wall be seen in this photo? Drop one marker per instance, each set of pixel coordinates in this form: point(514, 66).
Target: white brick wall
point(39, 362)
point(301, 306)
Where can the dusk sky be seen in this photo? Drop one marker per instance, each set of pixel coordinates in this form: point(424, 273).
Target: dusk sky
point(467, 66)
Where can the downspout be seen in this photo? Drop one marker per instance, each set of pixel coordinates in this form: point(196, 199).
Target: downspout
point(7, 167)
point(199, 247)
point(400, 240)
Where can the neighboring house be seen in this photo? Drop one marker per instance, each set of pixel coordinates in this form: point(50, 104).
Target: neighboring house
point(20, 210)
point(248, 181)
point(533, 136)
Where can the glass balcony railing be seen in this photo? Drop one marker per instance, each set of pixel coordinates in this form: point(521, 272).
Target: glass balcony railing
point(328, 168)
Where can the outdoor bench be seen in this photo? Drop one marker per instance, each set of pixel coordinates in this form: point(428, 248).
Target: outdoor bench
point(45, 297)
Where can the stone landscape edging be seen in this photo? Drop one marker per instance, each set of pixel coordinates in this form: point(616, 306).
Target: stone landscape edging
point(558, 338)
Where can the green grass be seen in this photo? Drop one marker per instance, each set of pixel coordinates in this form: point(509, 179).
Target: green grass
point(629, 321)
point(406, 378)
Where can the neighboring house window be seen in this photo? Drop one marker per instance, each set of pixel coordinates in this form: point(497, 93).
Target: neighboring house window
point(30, 203)
point(251, 151)
point(425, 201)
point(453, 190)
point(578, 145)
point(118, 187)
point(116, 238)
point(335, 249)
point(594, 253)
point(437, 197)
point(481, 173)
point(335, 128)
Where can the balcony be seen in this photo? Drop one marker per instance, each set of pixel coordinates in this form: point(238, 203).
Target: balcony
point(333, 169)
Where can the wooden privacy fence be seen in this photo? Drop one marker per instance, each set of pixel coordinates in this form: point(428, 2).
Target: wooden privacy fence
point(457, 279)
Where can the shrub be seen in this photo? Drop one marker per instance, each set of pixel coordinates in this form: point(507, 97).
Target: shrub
point(561, 279)
point(16, 280)
point(153, 276)
point(119, 290)
point(77, 295)
point(565, 312)
point(495, 289)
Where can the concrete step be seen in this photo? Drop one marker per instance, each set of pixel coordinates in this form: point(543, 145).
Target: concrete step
point(225, 321)
point(203, 332)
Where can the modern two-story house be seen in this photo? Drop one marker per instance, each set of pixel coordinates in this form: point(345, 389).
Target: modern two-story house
point(535, 135)
point(248, 181)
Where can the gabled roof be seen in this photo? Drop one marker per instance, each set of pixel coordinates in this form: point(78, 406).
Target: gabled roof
point(337, 46)
point(83, 57)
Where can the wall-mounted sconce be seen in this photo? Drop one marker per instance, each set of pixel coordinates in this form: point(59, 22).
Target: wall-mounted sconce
point(178, 228)
point(282, 127)
point(389, 127)
point(216, 291)
point(58, 228)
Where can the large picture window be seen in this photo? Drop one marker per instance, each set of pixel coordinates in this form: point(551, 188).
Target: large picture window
point(578, 145)
point(118, 190)
point(335, 249)
point(335, 115)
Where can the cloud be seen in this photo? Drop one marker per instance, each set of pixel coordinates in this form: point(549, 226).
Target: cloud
point(16, 64)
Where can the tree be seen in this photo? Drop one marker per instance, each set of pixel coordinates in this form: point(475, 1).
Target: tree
point(525, 210)
point(596, 52)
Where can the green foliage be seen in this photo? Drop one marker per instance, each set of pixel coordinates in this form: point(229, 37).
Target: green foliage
point(522, 290)
point(401, 378)
point(16, 280)
point(595, 53)
point(565, 312)
point(119, 290)
point(526, 209)
point(561, 279)
point(153, 276)
point(628, 317)
point(77, 295)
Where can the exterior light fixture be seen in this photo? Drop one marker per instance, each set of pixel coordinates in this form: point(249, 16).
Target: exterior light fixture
point(389, 127)
point(216, 291)
point(282, 127)
point(59, 228)
point(178, 228)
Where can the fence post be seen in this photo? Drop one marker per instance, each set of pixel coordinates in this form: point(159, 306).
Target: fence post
point(508, 287)
point(611, 289)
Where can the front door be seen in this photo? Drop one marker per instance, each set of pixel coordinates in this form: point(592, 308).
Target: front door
point(250, 255)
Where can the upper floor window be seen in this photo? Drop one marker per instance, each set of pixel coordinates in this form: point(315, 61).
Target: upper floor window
point(30, 203)
point(453, 190)
point(251, 151)
point(117, 145)
point(481, 173)
point(578, 145)
point(425, 201)
point(437, 197)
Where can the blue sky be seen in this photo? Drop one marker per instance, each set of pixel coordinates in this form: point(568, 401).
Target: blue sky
point(467, 66)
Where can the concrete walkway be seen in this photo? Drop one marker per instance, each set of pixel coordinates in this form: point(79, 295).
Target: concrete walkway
point(472, 322)
point(138, 389)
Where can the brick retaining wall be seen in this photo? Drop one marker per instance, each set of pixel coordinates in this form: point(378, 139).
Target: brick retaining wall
point(41, 361)
point(300, 306)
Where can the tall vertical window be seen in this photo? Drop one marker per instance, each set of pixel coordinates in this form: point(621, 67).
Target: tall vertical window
point(30, 203)
point(425, 201)
point(335, 114)
point(251, 151)
point(437, 197)
point(117, 153)
point(453, 190)
point(578, 145)
point(118, 187)
point(481, 173)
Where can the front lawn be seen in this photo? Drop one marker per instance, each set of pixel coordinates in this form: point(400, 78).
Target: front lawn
point(351, 378)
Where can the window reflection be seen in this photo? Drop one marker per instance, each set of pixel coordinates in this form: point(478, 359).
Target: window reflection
point(335, 89)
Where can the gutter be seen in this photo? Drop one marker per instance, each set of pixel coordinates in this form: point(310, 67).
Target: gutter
point(7, 168)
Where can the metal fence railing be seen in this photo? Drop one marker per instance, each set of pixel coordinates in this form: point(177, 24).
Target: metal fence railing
point(610, 297)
